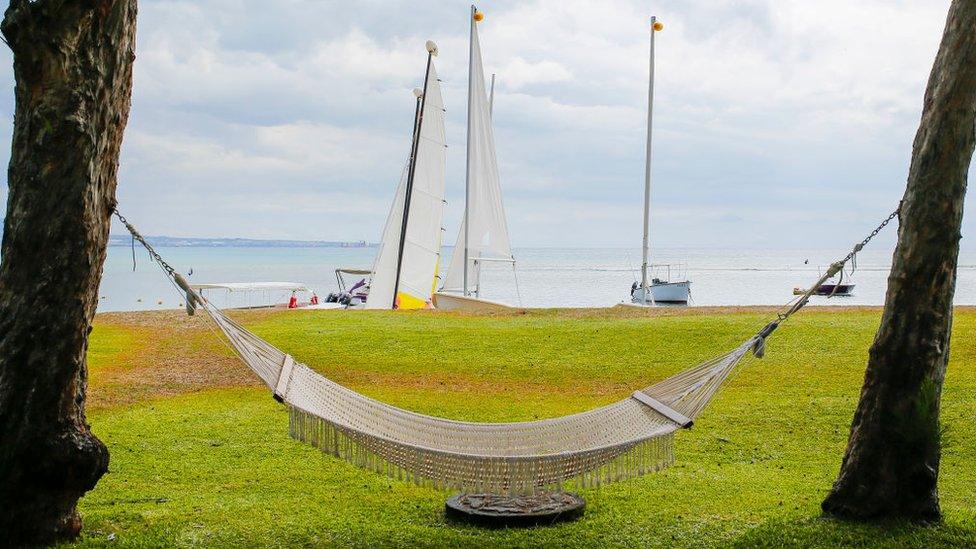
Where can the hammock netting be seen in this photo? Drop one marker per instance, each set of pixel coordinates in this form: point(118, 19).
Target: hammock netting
point(627, 438)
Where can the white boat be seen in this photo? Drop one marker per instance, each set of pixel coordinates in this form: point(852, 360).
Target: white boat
point(404, 273)
point(483, 236)
point(656, 290)
point(661, 292)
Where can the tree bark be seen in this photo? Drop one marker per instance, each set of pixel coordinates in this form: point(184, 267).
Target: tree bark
point(891, 466)
point(73, 69)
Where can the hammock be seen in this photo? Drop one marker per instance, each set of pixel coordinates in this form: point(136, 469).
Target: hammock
point(627, 438)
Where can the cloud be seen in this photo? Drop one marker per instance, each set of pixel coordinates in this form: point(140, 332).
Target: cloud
point(776, 122)
point(520, 73)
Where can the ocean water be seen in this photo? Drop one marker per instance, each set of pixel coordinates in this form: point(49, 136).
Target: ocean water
point(544, 277)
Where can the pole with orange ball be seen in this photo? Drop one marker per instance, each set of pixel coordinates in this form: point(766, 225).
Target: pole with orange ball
point(476, 16)
point(645, 290)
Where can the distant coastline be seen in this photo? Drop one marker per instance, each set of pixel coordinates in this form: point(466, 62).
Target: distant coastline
point(179, 242)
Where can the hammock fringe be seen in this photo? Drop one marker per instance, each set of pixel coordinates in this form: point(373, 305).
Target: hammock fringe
point(514, 476)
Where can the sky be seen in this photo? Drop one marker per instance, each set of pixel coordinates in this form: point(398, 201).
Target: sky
point(778, 124)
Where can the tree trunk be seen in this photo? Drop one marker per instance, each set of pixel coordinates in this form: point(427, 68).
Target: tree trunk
point(891, 466)
point(73, 69)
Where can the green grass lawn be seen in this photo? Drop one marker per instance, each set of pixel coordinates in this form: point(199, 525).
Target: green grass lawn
point(215, 466)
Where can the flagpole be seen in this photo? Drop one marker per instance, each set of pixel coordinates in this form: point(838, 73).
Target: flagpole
point(655, 26)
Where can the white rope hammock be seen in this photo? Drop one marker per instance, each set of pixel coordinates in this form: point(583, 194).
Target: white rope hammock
point(627, 438)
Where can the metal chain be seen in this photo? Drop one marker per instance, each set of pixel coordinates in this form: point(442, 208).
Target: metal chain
point(152, 251)
point(801, 301)
point(873, 234)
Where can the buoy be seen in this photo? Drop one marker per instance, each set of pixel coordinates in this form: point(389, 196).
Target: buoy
point(479, 16)
point(139, 300)
point(658, 26)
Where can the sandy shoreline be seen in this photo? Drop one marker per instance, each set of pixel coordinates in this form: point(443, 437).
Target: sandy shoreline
point(171, 317)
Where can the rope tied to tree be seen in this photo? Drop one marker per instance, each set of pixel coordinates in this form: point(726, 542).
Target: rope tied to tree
point(192, 297)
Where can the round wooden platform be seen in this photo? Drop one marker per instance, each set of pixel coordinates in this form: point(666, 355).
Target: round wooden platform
point(496, 511)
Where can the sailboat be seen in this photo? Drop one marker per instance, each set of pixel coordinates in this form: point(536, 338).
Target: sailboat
point(483, 236)
point(656, 290)
point(404, 274)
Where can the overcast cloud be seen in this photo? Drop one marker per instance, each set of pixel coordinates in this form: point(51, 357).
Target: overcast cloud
point(777, 123)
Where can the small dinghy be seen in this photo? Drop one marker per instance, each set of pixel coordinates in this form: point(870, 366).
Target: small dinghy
point(405, 269)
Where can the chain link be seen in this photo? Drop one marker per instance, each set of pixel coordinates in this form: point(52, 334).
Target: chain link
point(873, 234)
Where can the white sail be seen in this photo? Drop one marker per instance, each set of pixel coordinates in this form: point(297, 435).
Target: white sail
point(384, 266)
point(421, 247)
point(485, 212)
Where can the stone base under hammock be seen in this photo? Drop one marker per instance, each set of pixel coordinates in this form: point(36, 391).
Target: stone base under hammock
point(498, 511)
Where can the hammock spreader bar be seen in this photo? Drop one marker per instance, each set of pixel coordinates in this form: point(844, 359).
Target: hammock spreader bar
point(283, 378)
point(665, 410)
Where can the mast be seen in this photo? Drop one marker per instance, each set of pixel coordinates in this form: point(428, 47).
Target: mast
point(655, 26)
point(467, 161)
point(418, 123)
point(491, 96)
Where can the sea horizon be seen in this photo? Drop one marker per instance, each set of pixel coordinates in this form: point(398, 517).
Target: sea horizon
point(544, 277)
point(124, 240)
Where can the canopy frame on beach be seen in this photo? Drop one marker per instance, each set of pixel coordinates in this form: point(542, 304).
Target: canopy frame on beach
point(253, 286)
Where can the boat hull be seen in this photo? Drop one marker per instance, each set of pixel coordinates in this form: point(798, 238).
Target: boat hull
point(456, 302)
point(664, 293)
